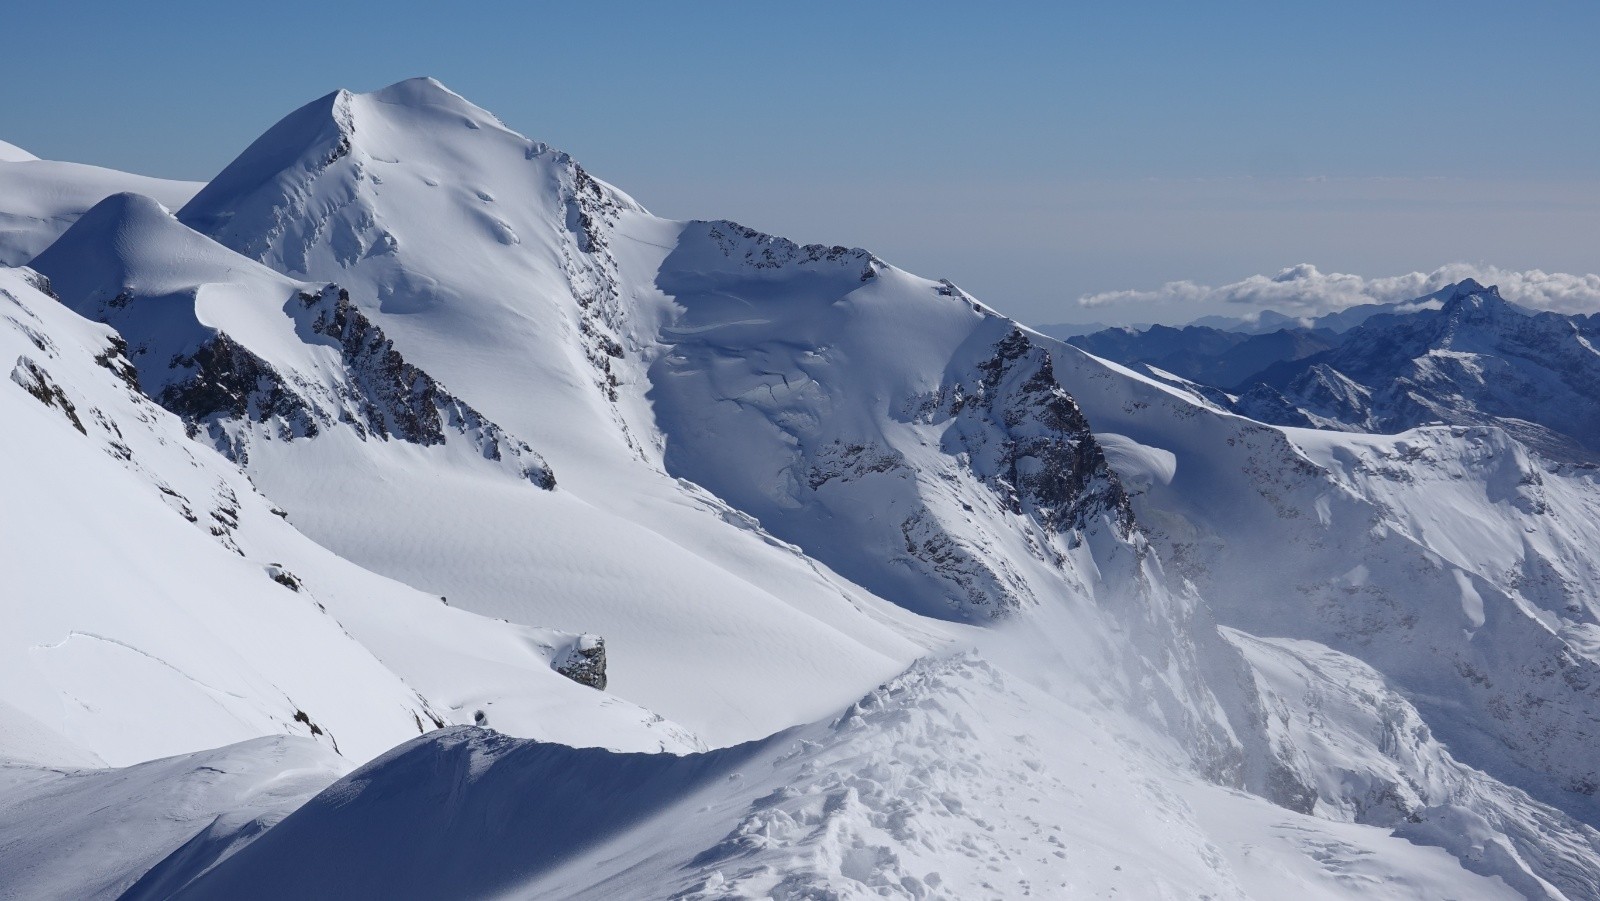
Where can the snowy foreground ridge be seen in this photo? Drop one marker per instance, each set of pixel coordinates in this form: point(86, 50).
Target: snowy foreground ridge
point(407, 513)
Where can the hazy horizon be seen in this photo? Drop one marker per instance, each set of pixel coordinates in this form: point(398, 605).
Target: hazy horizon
point(1176, 145)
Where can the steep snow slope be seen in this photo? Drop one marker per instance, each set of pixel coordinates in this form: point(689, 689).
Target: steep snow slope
point(93, 833)
point(248, 356)
point(1365, 756)
point(205, 618)
point(39, 199)
point(943, 471)
point(710, 620)
point(931, 469)
point(1438, 561)
point(890, 427)
point(909, 437)
point(952, 780)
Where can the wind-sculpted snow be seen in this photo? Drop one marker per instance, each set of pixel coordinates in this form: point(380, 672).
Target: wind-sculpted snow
point(86, 834)
point(544, 336)
point(949, 781)
point(243, 354)
point(900, 797)
point(918, 443)
point(965, 442)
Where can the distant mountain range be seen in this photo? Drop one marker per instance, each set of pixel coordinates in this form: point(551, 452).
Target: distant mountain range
point(1460, 356)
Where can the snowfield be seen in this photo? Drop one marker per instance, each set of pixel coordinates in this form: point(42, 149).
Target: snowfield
point(413, 514)
point(44, 197)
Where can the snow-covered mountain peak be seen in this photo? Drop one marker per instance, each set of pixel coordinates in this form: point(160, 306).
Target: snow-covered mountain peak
point(1471, 299)
point(789, 472)
point(365, 165)
point(425, 92)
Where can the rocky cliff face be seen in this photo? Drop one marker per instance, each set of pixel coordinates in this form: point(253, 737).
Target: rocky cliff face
point(243, 354)
point(1026, 438)
point(968, 465)
point(394, 398)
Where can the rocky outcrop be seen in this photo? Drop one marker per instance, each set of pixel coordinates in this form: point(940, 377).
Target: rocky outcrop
point(591, 272)
point(1027, 440)
point(221, 387)
point(585, 662)
point(223, 380)
point(392, 398)
point(763, 251)
point(38, 383)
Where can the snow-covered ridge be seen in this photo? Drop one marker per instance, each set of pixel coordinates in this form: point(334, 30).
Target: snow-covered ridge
point(762, 251)
point(999, 503)
point(40, 199)
point(243, 353)
point(950, 780)
point(796, 480)
point(11, 153)
point(964, 416)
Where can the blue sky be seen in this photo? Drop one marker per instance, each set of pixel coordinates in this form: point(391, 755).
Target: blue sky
point(1033, 153)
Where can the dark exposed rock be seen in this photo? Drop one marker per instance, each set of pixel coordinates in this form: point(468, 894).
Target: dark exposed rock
point(115, 358)
point(585, 662)
point(396, 397)
point(984, 586)
point(300, 716)
point(763, 251)
point(1045, 461)
point(592, 274)
point(227, 381)
point(38, 383)
point(40, 283)
point(378, 394)
point(849, 461)
point(341, 149)
point(283, 577)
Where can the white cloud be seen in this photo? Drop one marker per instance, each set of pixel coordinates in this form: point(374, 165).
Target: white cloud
point(1303, 290)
